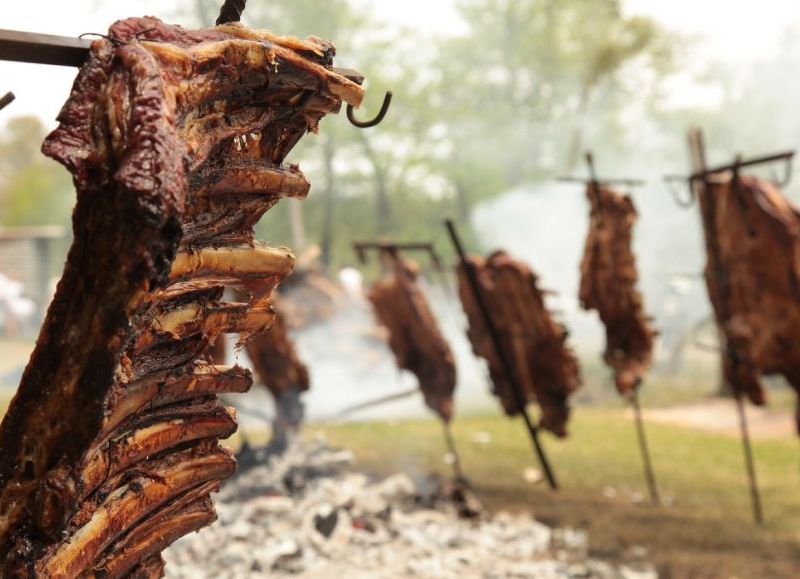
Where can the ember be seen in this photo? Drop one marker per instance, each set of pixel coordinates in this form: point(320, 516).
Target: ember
point(342, 523)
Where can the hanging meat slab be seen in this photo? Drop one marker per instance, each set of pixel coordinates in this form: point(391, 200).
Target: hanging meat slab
point(545, 367)
point(752, 235)
point(414, 338)
point(608, 285)
point(276, 361)
point(176, 141)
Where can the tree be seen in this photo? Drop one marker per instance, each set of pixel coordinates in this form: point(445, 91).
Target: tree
point(518, 88)
point(34, 190)
point(506, 102)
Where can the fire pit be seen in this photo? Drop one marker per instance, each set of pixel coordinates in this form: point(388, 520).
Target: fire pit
point(310, 513)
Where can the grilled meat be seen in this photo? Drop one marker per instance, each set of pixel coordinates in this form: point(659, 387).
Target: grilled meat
point(414, 338)
point(752, 235)
point(545, 367)
point(608, 285)
point(176, 141)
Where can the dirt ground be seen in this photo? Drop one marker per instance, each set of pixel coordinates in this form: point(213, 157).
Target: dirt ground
point(703, 528)
point(721, 416)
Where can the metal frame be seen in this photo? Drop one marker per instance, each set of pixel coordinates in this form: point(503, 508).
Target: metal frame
point(644, 449)
point(361, 248)
point(703, 175)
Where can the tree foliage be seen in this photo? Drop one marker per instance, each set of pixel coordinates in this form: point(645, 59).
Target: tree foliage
point(508, 100)
point(33, 189)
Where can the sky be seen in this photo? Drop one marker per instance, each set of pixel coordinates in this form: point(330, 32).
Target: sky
point(739, 30)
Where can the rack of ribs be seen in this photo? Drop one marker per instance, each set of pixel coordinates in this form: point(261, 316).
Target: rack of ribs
point(608, 285)
point(753, 280)
point(176, 140)
point(414, 338)
point(546, 368)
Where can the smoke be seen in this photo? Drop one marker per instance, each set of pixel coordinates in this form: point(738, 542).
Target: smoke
point(545, 225)
point(351, 363)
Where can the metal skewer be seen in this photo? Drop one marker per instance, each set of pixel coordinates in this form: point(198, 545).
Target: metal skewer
point(372, 403)
point(505, 361)
point(644, 450)
point(231, 11)
point(6, 100)
point(699, 185)
point(451, 447)
point(755, 495)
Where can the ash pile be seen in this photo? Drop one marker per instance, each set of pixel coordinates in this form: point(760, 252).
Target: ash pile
point(309, 513)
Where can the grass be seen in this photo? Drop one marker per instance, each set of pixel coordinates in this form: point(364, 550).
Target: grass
point(706, 532)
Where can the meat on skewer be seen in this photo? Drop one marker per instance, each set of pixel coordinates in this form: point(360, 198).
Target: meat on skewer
point(414, 337)
point(608, 285)
point(752, 235)
point(176, 140)
point(545, 367)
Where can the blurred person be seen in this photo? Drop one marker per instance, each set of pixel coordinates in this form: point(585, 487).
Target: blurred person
point(16, 309)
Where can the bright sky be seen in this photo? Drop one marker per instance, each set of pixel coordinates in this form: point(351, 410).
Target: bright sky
point(733, 29)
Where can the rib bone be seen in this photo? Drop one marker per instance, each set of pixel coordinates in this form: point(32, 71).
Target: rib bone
point(109, 450)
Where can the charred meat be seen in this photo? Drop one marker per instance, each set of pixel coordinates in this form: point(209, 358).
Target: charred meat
point(608, 285)
point(752, 235)
point(414, 338)
point(176, 141)
point(545, 367)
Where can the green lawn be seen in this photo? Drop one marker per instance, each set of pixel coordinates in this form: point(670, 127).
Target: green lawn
point(707, 531)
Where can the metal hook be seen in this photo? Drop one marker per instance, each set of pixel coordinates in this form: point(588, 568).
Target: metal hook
point(111, 39)
point(681, 200)
point(787, 175)
point(387, 100)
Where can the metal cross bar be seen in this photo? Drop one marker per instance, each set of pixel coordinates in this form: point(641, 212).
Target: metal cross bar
point(361, 248)
point(625, 181)
point(739, 164)
point(703, 175)
point(35, 48)
point(505, 362)
point(618, 181)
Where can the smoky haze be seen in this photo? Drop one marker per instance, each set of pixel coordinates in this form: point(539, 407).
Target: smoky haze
point(490, 107)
